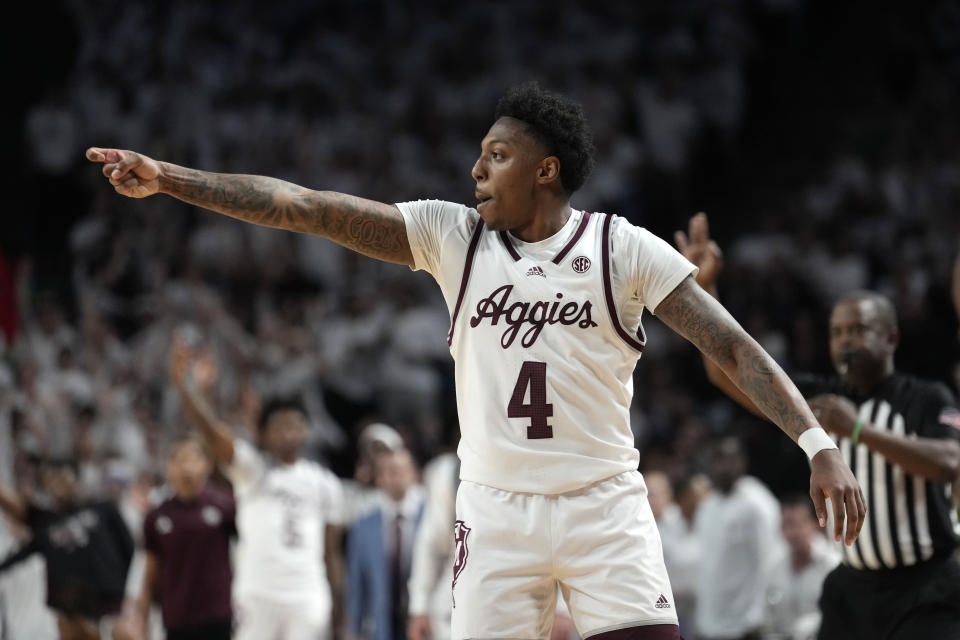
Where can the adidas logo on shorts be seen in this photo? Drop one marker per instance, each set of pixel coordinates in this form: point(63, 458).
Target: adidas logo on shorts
point(536, 271)
point(662, 603)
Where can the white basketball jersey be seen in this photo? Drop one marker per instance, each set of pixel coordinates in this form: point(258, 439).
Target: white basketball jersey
point(282, 512)
point(544, 364)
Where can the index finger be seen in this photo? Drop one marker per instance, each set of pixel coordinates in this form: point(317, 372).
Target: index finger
point(99, 154)
point(680, 238)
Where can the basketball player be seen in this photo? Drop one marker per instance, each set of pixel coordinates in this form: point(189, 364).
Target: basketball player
point(287, 518)
point(545, 303)
point(900, 580)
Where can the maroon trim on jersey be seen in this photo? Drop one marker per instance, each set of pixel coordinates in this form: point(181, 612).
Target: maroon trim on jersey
point(644, 632)
point(509, 245)
point(468, 263)
point(576, 236)
point(608, 291)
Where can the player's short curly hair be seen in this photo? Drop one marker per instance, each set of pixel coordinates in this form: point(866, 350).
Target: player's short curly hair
point(558, 123)
point(278, 404)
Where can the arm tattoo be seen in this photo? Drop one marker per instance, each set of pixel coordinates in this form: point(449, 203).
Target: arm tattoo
point(699, 318)
point(372, 228)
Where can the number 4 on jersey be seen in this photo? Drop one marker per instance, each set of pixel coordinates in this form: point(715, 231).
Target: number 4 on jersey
point(534, 376)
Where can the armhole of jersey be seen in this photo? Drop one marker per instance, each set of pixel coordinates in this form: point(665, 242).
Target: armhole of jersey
point(638, 342)
point(468, 264)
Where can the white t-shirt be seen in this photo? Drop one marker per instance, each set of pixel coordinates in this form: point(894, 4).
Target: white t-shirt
point(739, 540)
point(282, 512)
point(794, 596)
point(545, 337)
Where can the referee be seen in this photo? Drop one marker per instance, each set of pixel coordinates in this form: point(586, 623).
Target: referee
point(899, 434)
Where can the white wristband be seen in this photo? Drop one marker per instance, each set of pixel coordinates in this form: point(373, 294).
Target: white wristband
point(815, 440)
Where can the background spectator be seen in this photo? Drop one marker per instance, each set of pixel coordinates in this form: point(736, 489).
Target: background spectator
point(380, 551)
point(739, 539)
point(797, 574)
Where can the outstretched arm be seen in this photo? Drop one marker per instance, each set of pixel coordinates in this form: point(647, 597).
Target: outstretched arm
point(372, 228)
point(698, 317)
point(215, 431)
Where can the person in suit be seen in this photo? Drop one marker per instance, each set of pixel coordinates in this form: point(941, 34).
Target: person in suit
point(380, 550)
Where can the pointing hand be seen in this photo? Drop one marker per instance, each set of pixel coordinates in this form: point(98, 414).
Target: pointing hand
point(131, 174)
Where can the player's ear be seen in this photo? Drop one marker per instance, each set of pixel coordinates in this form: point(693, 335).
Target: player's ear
point(548, 170)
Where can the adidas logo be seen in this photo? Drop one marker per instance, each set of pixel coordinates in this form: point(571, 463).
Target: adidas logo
point(536, 271)
point(662, 603)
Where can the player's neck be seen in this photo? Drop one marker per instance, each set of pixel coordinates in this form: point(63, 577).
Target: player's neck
point(546, 221)
point(550, 210)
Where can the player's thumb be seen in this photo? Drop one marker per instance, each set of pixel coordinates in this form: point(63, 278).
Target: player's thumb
point(820, 505)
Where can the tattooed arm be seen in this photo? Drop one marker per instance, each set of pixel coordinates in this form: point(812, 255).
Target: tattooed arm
point(698, 317)
point(372, 228)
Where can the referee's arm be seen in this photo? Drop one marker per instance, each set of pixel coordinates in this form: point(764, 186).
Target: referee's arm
point(936, 459)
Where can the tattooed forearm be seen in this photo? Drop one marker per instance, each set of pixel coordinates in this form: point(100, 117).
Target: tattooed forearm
point(699, 318)
point(371, 228)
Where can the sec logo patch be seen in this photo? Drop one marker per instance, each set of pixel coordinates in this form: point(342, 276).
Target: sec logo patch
point(581, 264)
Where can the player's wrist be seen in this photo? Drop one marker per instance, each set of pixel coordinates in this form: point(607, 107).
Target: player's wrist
point(815, 440)
point(164, 181)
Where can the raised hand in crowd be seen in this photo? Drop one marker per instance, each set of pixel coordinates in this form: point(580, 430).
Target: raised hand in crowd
point(699, 248)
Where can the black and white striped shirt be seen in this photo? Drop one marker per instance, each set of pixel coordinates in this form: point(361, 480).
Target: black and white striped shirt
point(909, 519)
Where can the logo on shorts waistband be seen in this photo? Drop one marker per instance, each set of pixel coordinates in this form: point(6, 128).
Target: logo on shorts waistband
point(662, 603)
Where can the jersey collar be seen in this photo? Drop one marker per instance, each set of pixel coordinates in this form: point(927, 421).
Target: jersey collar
point(508, 243)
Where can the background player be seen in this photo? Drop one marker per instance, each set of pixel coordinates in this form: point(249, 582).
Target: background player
point(516, 475)
point(288, 510)
point(187, 539)
point(900, 436)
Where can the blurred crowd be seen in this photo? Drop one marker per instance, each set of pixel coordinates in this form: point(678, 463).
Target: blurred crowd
point(702, 104)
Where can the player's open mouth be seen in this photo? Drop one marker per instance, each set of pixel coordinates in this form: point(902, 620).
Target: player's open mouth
point(482, 199)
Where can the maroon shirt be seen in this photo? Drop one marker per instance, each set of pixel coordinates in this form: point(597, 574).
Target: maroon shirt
point(191, 541)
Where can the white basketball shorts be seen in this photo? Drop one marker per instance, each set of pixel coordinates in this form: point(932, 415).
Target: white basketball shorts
point(600, 544)
point(259, 618)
